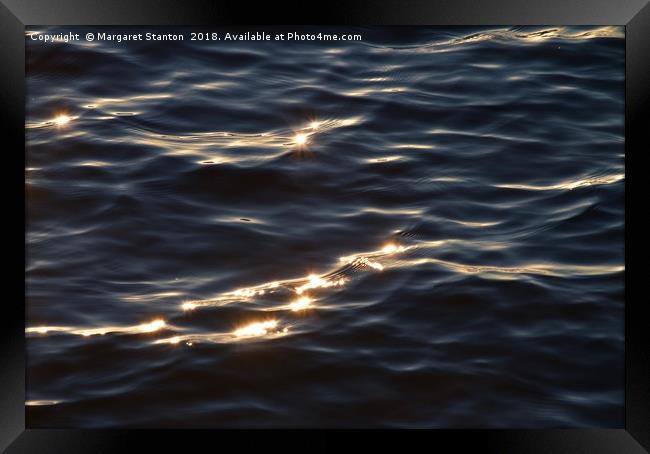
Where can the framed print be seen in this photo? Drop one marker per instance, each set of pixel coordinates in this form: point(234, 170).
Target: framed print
point(371, 217)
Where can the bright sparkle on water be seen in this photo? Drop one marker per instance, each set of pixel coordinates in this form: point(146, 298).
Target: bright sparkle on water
point(300, 139)
point(188, 306)
point(256, 329)
point(318, 282)
point(301, 303)
point(389, 248)
point(152, 326)
point(148, 327)
point(62, 120)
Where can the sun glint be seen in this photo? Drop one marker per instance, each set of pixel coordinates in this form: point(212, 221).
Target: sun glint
point(301, 303)
point(152, 326)
point(300, 139)
point(62, 120)
point(256, 329)
point(188, 306)
point(389, 248)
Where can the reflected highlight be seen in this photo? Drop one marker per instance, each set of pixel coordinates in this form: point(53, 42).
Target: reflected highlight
point(38, 403)
point(318, 282)
point(62, 120)
point(374, 260)
point(300, 139)
point(149, 327)
point(567, 185)
point(256, 329)
point(152, 326)
point(301, 303)
point(267, 329)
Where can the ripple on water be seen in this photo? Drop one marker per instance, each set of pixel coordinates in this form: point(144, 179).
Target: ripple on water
point(416, 230)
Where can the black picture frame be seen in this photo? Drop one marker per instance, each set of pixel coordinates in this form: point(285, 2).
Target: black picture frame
point(16, 14)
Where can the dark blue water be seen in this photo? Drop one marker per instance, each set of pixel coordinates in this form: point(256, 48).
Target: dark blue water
point(445, 249)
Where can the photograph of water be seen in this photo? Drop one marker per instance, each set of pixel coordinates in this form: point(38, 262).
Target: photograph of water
point(325, 227)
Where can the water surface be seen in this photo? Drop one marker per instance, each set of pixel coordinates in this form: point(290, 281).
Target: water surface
point(420, 229)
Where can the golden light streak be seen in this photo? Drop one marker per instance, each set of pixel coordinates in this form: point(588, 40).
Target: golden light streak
point(239, 295)
point(268, 329)
point(563, 33)
point(149, 327)
point(216, 146)
point(383, 159)
point(151, 296)
point(389, 248)
point(152, 326)
point(256, 329)
point(300, 139)
point(365, 259)
point(369, 91)
point(242, 294)
point(301, 285)
point(568, 185)
point(36, 403)
point(304, 302)
point(318, 282)
point(188, 306)
point(375, 265)
point(544, 269)
point(62, 120)
point(248, 292)
point(418, 146)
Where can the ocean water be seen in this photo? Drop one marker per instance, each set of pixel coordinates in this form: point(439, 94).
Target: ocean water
point(419, 229)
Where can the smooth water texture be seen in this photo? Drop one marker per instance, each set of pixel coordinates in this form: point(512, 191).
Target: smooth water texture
point(420, 229)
